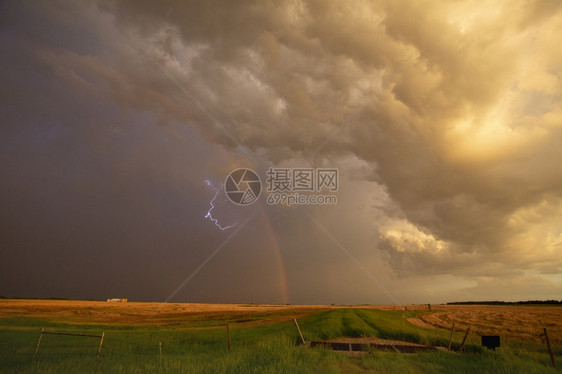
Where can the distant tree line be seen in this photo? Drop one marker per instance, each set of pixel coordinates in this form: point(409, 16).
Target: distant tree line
point(549, 302)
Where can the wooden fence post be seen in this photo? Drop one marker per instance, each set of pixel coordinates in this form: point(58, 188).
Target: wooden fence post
point(160, 349)
point(451, 337)
point(228, 334)
point(298, 328)
point(464, 339)
point(549, 348)
point(38, 341)
point(101, 342)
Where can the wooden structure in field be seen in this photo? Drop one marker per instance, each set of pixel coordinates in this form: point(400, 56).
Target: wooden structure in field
point(367, 343)
point(43, 331)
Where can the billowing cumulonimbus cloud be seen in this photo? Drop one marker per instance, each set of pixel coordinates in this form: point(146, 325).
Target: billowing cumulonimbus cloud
point(466, 139)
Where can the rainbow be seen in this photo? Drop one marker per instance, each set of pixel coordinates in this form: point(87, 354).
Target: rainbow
point(276, 249)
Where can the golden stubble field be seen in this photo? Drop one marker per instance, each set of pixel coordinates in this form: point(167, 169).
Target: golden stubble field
point(515, 322)
point(521, 322)
point(150, 314)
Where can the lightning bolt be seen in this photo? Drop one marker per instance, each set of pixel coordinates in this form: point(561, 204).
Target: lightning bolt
point(209, 215)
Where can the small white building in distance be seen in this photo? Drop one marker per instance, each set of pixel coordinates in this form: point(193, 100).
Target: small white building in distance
point(116, 300)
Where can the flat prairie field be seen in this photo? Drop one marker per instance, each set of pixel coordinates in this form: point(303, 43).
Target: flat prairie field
point(521, 322)
point(150, 314)
point(253, 338)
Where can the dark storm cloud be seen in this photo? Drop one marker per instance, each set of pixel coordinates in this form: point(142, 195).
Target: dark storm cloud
point(462, 147)
point(97, 201)
point(313, 58)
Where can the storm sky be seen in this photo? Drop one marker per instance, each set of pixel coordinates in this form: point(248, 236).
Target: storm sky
point(444, 120)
